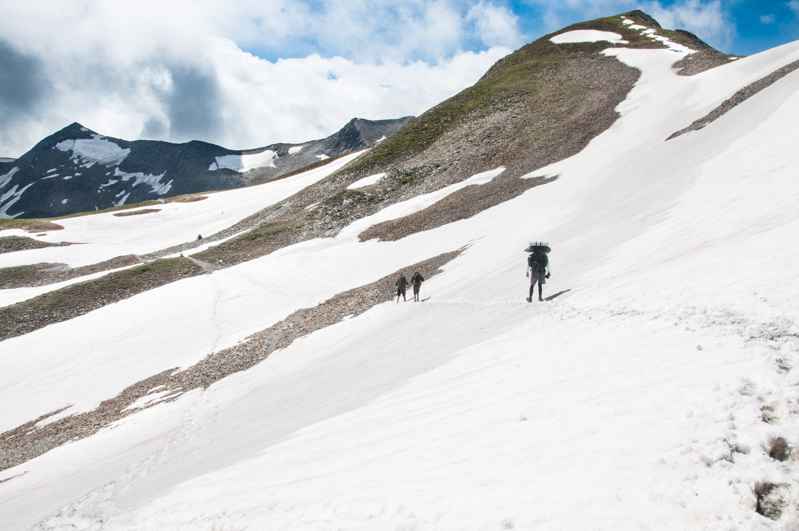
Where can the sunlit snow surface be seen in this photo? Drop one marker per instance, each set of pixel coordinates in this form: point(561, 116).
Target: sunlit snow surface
point(366, 181)
point(587, 36)
point(631, 400)
point(242, 163)
point(89, 151)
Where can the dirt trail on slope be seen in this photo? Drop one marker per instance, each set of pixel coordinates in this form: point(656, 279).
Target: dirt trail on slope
point(27, 441)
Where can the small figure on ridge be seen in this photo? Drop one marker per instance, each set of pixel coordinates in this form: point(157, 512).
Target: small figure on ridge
point(401, 284)
point(416, 281)
point(538, 265)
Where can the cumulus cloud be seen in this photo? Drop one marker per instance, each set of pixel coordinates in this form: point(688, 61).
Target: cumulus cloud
point(292, 100)
point(23, 86)
point(495, 25)
point(243, 73)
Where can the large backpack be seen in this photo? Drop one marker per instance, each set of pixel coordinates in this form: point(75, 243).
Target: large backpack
point(538, 261)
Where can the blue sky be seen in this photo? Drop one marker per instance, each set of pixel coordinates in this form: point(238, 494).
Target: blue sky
point(742, 27)
point(247, 73)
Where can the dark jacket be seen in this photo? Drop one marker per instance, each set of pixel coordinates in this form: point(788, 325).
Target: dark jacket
point(402, 282)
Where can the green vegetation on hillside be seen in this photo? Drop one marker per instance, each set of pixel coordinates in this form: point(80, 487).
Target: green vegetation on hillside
point(78, 299)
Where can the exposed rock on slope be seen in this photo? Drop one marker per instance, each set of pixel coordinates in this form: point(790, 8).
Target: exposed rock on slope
point(29, 440)
point(78, 170)
point(738, 98)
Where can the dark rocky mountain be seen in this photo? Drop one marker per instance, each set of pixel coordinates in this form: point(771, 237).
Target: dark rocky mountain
point(78, 170)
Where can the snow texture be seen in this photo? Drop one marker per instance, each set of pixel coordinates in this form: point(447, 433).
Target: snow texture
point(89, 151)
point(154, 181)
point(8, 199)
point(5, 179)
point(242, 163)
point(587, 36)
point(366, 181)
point(295, 149)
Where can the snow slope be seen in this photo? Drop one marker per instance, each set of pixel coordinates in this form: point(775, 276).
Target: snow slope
point(645, 393)
point(105, 236)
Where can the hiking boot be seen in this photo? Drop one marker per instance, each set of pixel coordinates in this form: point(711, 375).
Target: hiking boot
point(540, 299)
point(529, 299)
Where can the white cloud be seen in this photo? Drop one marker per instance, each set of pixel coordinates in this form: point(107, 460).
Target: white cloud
point(170, 70)
point(292, 100)
point(495, 25)
point(794, 5)
point(767, 19)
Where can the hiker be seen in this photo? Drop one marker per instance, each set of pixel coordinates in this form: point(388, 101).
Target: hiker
point(401, 284)
point(416, 281)
point(537, 267)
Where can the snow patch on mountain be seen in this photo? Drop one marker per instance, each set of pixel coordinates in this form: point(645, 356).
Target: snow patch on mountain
point(122, 201)
point(154, 181)
point(5, 179)
point(652, 34)
point(242, 163)
point(89, 151)
point(588, 36)
point(366, 181)
point(9, 198)
point(415, 204)
point(295, 149)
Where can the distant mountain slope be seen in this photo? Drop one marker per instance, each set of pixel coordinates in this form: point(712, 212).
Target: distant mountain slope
point(539, 105)
point(78, 170)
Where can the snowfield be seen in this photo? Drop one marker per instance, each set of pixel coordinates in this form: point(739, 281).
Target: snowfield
point(105, 236)
point(651, 389)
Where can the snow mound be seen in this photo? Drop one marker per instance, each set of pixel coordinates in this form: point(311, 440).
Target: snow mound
point(90, 151)
point(366, 181)
point(588, 36)
point(242, 163)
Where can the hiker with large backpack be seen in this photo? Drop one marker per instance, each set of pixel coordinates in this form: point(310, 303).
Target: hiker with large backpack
point(537, 267)
point(416, 282)
point(401, 284)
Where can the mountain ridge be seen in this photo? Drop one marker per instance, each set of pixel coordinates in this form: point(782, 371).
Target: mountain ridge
point(78, 170)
